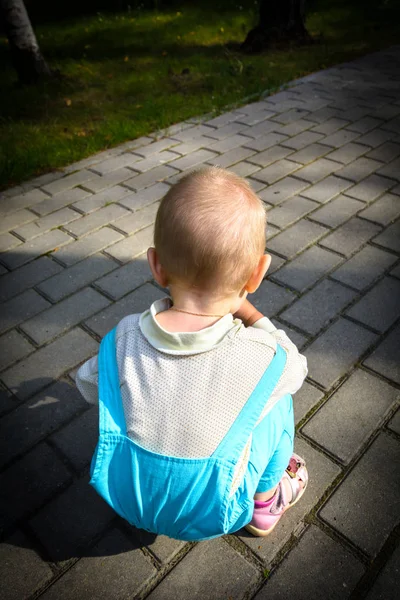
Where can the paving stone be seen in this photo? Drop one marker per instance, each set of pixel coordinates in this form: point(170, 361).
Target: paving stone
point(322, 472)
point(64, 315)
point(334, 352)
point(349, 517)
point(337, 211)
point(375, 138)
point(317, 170)
point(276, 171)
point(214, 561)
point(155, 147)
point(14, 282)
point(297, 237)
point(3, 270)
point(396, 271)
point(115, 568)
point(220, 133)
point(271, 231)
point(310, 153)
point(135, 302)
point(334, 575)
point(125, 279)
point(391, 170)
point(8, 241)
point(29, 482)
point(24, 200)
point(48, 363)
point(296, 128)
point(93, 242)
point(364, 267)
point(330, 126)
point(319, 306)
point(68, 182)
point(304, 400)
point(386, 152)
point(291, 115)
point(264, 141)
point(307, 268)
point(297, 338)
point(322, 114)
point(350, 236)
point(77, 441)
point(76, 277)
point(280, 191)
point(384, 210)
point(41, 415)
point(193, 132)
point(380, 307)
point(276, 263)
point(232, 157)
point(40, 226)
point(365, 124)
point(35, 248)
point(261, 129)
point(20, 308)
point(290, 211)
point(108, 180)
point(326, 189)
point(359, 169)
point(22, 571)
point(71, 521)
point(347, 153)
point(372, 187)
point(131, 223)
point(271, 298)
point(226, 118)
point(17, 347)
point(191, 160)
point(386, 585)
point(255, 117)
point(104, 216)
point(390, 237)
point(145, 197)
point(228, 143)
point(270, 156)
point(132, 246)
point(164, 548)
point(149, 178)
point(362, 402)
point(16, 219)
point(114, 163)
point(50, 205)
point(394, 423)
point(385, 359)
point(302, 140)
point(154, 160)
point(243, 169)
point(104, 198)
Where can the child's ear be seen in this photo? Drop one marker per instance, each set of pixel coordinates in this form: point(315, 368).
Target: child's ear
point(156, 268)
point(258, 274)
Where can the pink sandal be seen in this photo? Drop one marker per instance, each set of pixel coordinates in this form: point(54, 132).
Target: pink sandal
point(267, 514)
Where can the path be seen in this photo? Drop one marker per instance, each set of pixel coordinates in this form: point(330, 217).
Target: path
point(324, 156)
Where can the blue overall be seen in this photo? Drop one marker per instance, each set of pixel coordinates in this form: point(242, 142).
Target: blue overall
point(183, 498)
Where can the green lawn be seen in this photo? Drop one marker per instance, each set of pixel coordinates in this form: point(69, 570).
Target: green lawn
point(129, 74)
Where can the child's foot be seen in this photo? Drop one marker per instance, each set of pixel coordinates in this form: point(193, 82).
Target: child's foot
point(290, 489)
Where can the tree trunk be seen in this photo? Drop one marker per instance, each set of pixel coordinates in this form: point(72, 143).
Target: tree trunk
point(279, 21)
point(25, 52)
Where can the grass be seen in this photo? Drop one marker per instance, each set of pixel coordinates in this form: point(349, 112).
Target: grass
point(128, 74)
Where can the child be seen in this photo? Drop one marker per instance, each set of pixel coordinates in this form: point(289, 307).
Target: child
point(196, 417)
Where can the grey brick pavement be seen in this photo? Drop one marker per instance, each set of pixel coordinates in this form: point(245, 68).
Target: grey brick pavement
point(324, 157)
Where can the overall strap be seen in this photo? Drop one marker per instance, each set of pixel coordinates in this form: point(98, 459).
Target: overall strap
point(238, 435)
point(112, 419)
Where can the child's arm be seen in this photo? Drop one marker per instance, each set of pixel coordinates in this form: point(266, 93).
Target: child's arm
point(296, 364)
point(87, 381)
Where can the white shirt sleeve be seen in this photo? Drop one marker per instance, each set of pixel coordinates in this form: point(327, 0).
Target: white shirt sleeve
point(295, 370)
point(87, 381)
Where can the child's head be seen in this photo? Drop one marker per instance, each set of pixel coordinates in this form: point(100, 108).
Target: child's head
point(210, 232)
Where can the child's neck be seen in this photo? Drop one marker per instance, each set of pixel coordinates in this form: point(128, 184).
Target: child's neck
point(198, 311)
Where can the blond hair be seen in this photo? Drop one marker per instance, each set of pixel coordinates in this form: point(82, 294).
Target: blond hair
point(210, 231)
